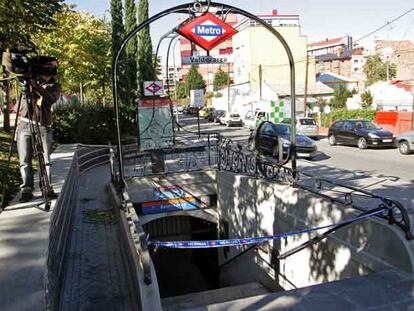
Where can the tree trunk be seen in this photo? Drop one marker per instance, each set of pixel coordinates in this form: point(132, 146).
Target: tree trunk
point(6, 101)
point(81, 93)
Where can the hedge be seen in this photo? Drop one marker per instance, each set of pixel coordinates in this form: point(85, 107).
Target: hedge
point(343, 114)
point(88, 124)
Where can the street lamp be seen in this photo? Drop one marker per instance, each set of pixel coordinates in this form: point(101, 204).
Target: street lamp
point(387, 53)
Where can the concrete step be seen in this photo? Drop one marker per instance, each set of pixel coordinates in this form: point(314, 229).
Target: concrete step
point(387, 290)
point(220, 295)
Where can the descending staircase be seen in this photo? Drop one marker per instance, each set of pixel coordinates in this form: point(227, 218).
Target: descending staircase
point(386, 290)
point(210, 297)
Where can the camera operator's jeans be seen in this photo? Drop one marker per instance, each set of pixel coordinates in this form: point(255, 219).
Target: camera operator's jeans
point(25, 151)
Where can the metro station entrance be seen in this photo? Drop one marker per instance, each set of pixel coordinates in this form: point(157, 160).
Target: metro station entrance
point(182, 272)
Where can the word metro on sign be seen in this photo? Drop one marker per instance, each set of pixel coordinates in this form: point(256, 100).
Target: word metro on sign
point(209, 30)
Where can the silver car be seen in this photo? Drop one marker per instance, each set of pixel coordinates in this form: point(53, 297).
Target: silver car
point(307, 126)
point(405, 142)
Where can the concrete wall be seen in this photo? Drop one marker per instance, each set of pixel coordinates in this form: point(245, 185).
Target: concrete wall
point(255, 207)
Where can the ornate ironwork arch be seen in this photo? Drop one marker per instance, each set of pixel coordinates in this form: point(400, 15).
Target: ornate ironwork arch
point(191, 8)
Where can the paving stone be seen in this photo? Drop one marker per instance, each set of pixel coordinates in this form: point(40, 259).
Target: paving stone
point(372, 297)
point(96, 277)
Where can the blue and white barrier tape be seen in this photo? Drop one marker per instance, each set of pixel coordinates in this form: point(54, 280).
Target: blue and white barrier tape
point(258, 240)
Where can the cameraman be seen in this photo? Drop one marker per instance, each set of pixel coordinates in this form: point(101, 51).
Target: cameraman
point(44, 93)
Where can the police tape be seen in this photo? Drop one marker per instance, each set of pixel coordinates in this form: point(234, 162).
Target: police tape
point(258, 240)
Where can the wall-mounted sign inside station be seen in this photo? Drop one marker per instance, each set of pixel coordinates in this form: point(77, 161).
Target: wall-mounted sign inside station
point(195, 60)
point(153, 88)
point(207, 31)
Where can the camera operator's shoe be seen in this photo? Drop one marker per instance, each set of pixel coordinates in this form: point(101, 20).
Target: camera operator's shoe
point(52, 194)
point(26, 195)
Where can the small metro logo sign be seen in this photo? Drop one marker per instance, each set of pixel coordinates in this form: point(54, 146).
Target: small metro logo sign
point(207, 31)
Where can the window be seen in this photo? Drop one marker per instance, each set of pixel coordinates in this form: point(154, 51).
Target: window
point(348, 126)
point(307, 122)
point(338, 125)
point(268, 129)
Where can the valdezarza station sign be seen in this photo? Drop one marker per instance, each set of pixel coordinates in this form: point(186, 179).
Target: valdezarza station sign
point(195, 60)
point(207, 31)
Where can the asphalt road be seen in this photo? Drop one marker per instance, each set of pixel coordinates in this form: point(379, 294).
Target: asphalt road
point(383, 171)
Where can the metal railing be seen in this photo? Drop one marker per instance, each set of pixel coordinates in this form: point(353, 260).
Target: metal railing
point(190, 153)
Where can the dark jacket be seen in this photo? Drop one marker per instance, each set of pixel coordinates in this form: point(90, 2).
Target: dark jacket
point(45, 94)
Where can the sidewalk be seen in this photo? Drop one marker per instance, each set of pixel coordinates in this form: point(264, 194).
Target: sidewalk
point(24, 233)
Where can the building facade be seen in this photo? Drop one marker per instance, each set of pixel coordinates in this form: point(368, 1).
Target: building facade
point(170, 78)
point(402, 55)
point(338, 57)
point(260, 58)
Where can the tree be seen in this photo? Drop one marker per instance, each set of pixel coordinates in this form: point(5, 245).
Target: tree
point(19, 20)
point(145, 69)
point(181, 90)
point(195, 79)
point(81, 42)
point(118, 32)
point(131, 49)
point(376, 70)
point(341, 94)
point(221, 79)
point(367, 99)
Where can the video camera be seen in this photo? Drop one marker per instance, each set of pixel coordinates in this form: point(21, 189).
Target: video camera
point(31, 66)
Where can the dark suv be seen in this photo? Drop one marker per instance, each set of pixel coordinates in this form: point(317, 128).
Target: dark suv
point(362, 133)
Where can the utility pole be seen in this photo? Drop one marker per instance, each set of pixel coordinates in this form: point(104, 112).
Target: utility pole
point(228, 87)
point(412, 109)
point(260, 80)
point(305, 97)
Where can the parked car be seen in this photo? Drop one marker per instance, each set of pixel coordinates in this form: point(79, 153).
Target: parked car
point(180, 109)
point(211, 115)
point(267, 139)
point(203, 113)
point(362, 133)
point(405, 142)
point(307, 126)
point(191, 110)
point(232, 118)
point(217, 114)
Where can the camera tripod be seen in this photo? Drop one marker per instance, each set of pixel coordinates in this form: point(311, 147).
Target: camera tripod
point(36, 145)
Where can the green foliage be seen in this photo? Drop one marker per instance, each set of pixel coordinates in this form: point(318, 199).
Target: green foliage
point(367, 99)
point(376, 70)
point(181, 90)
point(20, 20)
point(341, 94)
point(145, 60)
point(88, 124)
point(118, 33)
point(195, 79)
point(341, 114)
point(221, 80)
point(9, 178)
point(131, 49)
point(82, 43)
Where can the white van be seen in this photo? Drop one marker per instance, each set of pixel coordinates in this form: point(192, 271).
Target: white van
point(253, 118)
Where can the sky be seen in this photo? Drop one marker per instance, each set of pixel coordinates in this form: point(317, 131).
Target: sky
point(319, 19)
